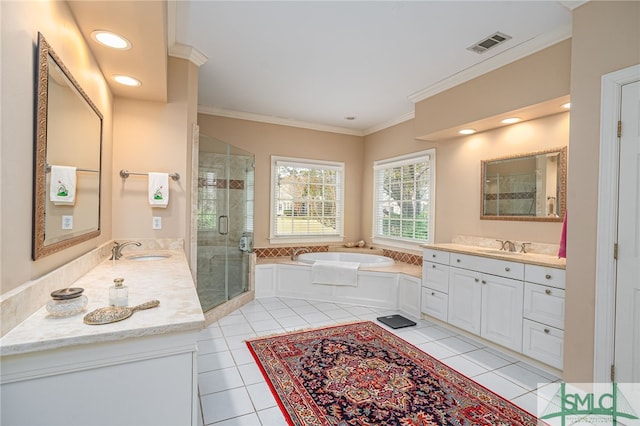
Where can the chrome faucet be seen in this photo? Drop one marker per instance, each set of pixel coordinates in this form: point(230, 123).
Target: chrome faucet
point(297, 251)
point(507, 245)
point(116, 251)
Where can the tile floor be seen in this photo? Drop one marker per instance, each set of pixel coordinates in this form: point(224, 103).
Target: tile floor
point(234, 392)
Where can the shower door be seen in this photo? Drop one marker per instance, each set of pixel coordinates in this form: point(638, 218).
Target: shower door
point(225, 221)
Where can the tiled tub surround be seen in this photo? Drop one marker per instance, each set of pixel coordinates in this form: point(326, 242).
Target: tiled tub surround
point(274, 252)
point(100, 367)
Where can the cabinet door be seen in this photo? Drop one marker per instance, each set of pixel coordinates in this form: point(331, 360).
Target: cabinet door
point(544, 304)
point(502, 311)
point(434, 303)
point(435, 276)
point(543, 343)
point(464, 299)
point(409, 295)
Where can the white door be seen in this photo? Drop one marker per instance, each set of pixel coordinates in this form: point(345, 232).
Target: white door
point(627, 336)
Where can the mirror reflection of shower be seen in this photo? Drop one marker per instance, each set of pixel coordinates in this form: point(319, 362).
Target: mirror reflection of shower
point(225, 221)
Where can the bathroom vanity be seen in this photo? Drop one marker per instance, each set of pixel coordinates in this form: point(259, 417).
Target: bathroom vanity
point(142, 370)
point(511, 299)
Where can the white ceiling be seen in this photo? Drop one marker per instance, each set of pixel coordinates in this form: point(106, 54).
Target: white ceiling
point(313, 63)
point(318, 62)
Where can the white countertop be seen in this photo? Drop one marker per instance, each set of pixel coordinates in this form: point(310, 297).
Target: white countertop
point(167, 280)
point(529, 258)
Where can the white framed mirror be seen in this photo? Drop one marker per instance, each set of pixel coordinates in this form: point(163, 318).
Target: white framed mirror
point(527, 187)
point(68, 135)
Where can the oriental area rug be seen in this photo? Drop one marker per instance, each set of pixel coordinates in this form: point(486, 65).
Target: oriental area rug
point(361, 374)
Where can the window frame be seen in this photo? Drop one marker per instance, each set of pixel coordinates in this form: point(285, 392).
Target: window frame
point(339, 167)
point(388, 163)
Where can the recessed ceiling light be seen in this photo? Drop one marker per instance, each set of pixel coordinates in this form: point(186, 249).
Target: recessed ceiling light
point(110, 39)
point(567, 105)
point(510, 120)
point(127, 81)
point(467, 131)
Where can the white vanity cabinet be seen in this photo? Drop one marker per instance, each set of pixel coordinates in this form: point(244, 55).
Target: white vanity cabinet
point(485, 304)
point(543, 327)
point(140, 381)
point(517, 305)
point(435, 283)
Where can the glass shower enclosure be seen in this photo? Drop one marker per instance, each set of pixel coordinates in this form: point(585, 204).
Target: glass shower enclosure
point(225, 221)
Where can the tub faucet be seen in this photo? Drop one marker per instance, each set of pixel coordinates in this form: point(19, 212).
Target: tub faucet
point(297, 251)
point(116, 250)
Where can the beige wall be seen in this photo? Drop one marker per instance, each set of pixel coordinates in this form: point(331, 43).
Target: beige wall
point(529, 81)
point(458, 175)
point(20, 23)
point(592, 56)
point(154, 137)
point(265, 140)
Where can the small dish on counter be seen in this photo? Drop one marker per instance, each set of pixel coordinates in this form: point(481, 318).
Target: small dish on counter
point(66, 302)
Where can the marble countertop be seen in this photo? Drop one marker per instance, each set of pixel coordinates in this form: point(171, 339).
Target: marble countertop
point(397, 268)
point(167, 280)
point(529, 258)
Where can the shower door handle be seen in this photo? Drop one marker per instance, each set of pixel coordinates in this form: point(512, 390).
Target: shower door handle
point(226, 225)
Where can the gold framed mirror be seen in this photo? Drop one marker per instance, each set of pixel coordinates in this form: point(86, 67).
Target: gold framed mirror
point(526, 187)
point(68, 142)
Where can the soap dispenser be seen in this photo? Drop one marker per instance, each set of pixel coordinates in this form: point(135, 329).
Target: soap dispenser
point(119, 293)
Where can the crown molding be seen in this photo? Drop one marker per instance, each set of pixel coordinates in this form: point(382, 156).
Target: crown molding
point(405, 117)
point(187, 52)
point(223, 112)
point(573, 4)
point(513, 54)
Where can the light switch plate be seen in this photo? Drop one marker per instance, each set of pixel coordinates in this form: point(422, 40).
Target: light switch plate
point(157, 222)
point(67, 222)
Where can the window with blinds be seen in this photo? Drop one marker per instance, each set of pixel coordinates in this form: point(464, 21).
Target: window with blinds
point(404, 198)
point(307, 200)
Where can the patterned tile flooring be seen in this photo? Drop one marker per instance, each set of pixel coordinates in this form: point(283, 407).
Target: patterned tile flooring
point(233, 391)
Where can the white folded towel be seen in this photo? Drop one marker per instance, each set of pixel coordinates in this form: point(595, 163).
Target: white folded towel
point(334, 272)
point(158, 189)
point(62, 189)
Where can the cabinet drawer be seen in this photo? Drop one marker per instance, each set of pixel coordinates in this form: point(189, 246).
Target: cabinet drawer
point(544, 304)
point(544, 343)
point(502, 268)
point(544, 275)
point(434, 303)
point(435, 276)
point(436, 256)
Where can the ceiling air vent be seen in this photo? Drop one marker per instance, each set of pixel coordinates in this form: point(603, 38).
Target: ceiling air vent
point(489, 42)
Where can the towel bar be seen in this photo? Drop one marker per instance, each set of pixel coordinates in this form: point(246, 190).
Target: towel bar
point(48, 169)
point(125, 174)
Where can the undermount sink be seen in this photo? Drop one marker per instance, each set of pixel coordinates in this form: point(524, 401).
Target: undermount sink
point(501, 252)
point(146, 257)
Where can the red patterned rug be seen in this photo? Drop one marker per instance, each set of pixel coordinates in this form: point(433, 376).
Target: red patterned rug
point(361, 374)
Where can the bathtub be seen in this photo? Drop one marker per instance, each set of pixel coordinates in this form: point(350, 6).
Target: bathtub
point(365, 260)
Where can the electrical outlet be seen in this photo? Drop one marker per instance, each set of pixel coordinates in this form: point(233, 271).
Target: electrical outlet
point(157, 222)
point(67, 222)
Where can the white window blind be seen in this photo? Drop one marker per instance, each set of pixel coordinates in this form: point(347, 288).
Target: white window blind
point(307, 198)
point(404, 198)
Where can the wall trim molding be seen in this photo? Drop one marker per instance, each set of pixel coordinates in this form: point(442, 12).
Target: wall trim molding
point(605, 296)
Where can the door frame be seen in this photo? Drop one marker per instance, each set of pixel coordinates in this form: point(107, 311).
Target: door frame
point(607, 222)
